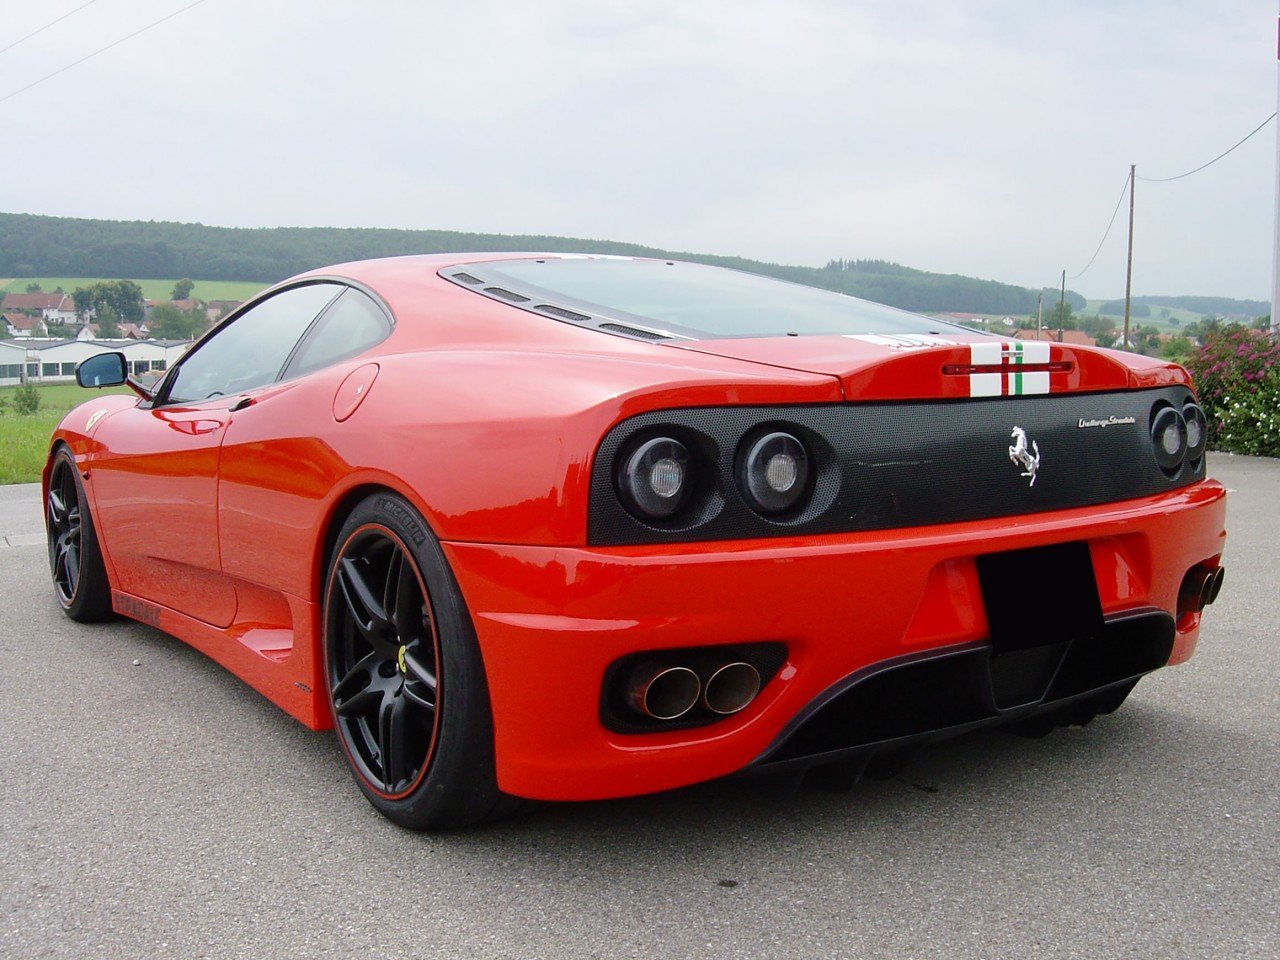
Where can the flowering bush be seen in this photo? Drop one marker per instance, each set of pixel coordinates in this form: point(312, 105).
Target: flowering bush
point(1251, 419)
point(1236, 372)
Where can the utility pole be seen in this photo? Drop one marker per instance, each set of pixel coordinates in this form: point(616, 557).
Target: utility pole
point(1275, 250)
point(1128, 270)
point(1039, 313)
point(1062, 302)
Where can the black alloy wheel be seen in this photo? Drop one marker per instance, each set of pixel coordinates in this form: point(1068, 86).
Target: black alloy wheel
point(406, 683)
point(384, 670)
point(79, 577)
point(63, 522)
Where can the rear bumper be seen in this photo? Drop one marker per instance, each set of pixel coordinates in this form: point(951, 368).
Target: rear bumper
point(942, 693)
point(550, 620)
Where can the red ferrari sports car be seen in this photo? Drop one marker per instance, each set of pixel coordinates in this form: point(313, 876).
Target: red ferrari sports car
point(574, 527)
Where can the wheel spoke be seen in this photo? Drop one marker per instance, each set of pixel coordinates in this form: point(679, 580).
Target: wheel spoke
point(390, 593)
point(361, 703)
point(352, 684)
point(404, 600)
point(419, 671)
point(364, 607)
point(70, 495)
point(71, 563)
point(57, 508)
point(392, 745)
point(419, 698)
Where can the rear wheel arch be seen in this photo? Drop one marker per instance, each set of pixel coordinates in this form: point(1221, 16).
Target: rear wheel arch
point(339, 510)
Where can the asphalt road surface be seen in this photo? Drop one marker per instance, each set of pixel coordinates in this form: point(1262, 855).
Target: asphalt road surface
point(162, 809)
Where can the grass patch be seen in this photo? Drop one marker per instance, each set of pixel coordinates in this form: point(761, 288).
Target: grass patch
point(24, 440)
point(151, 289)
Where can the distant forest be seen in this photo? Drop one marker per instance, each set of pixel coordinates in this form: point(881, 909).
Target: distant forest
point(36, 246)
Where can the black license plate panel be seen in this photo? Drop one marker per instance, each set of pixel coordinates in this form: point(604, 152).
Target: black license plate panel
point(1040, 596)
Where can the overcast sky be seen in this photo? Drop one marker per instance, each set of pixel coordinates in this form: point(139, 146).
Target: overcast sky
point(984, 138)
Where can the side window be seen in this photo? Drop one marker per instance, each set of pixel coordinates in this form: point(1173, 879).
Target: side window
point(352, 325)
point(252, 349)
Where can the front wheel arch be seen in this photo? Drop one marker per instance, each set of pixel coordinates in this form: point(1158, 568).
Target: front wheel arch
point(76, 563)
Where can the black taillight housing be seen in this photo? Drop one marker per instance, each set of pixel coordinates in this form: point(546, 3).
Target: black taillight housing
point(1169, 439)
point(654, 479)
point(1197, 430)
point(772, 470)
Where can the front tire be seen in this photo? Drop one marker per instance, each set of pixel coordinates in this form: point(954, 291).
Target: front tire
point(405, 680)
point(79, 576)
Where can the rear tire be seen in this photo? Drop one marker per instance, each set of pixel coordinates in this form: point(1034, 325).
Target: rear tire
point(75, 561)
point(404, 675)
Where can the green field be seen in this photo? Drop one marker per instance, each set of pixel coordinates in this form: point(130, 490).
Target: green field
point(24, 440)
point(151, 289)
point(1161, 317)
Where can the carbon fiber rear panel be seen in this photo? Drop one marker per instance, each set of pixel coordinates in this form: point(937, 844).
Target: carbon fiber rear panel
point(881, 466)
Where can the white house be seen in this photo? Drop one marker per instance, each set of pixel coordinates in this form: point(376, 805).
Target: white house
point(55, 360)
point(52, 307)
point(22, 325)
point(12, 357)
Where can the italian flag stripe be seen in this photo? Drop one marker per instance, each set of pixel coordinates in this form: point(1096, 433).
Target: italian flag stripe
point(1014, 382)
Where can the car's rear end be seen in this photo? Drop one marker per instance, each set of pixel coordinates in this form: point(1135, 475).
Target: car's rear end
point(980, 531)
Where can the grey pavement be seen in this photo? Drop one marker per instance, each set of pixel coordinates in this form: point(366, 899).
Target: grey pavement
point(21, 520)
point(165, 810)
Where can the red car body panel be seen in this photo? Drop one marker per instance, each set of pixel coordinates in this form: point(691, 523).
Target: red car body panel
point(216, 523)
point(552, 619)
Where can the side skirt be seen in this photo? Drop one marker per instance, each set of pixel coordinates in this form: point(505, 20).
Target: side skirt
point(276, 659)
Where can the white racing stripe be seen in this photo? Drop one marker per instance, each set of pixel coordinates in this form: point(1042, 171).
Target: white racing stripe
point(1013, 354)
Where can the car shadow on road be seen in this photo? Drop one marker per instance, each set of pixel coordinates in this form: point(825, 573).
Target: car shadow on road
point(1134, 764)
point(1144, 760)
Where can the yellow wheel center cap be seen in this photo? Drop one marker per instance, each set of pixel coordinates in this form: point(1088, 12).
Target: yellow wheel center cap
point(400, 659)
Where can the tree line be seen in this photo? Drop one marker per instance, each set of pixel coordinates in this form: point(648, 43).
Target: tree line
point(33, 245)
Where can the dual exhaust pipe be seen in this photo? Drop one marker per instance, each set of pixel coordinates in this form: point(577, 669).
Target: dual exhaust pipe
point(665, 692)
point(1200, 587)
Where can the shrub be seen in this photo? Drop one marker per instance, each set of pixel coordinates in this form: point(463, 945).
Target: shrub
point(26, 399)
point(1234, 367)
point(1251, 419)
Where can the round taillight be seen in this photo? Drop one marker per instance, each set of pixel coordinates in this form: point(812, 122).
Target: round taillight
point(1197, 430)
point(773, 472)
point(654, 480)
point(1169, 439)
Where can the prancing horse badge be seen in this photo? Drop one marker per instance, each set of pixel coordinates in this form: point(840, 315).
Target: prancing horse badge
point(1027, 459)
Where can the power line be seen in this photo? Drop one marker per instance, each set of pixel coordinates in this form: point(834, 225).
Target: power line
point(114, 43)
point(1211, 162)
point(1106, 233)
point(46, 26)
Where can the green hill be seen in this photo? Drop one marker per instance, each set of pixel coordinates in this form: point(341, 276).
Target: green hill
point(1183, 308)
point(48, 247)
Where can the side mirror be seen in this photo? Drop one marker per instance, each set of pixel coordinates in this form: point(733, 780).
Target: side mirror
point(103, 370)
